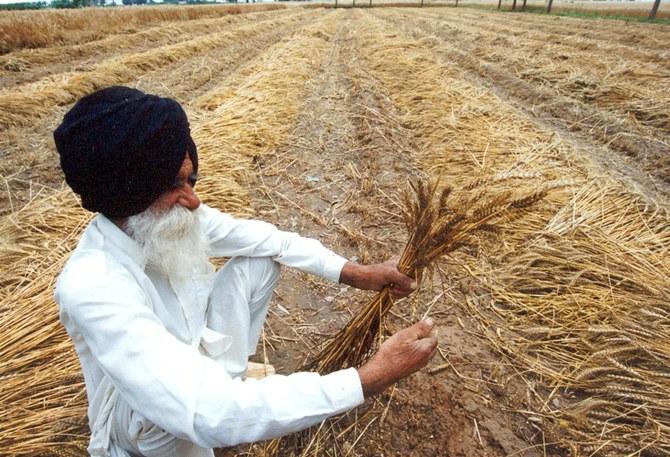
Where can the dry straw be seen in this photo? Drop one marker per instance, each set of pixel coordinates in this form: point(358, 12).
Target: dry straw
point(620, 103)
point(585, 306)
point(23, 64)
point(589, 71)
point(19, 107)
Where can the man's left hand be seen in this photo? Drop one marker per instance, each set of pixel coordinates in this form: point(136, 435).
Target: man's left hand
point(376, 277)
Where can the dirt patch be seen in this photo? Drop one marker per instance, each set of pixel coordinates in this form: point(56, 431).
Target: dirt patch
point(337, 181)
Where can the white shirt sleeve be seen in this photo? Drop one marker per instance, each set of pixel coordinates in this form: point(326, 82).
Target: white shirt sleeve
point(175, 387)
point(230, 237)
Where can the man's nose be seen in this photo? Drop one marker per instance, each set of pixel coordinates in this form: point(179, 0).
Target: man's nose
point(189, 199)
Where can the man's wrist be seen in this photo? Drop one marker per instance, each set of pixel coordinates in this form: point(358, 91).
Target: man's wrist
point(351, 273)
point(371, 381)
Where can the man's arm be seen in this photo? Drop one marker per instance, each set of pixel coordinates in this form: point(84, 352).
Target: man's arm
point(231, 237)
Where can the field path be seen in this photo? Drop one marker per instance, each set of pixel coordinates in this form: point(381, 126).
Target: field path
point(337, 179)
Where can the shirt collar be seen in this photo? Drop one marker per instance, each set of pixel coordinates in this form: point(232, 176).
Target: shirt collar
point(120, 240)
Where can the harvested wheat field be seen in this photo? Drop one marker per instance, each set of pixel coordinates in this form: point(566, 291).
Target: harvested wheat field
point(526, 158)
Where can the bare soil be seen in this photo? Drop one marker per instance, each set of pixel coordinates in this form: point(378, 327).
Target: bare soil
point(336, 181)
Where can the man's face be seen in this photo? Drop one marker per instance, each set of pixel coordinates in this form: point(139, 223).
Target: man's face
point(181, 193)
point(169, 231)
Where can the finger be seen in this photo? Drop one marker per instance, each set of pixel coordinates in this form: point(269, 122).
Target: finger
point(421, 329)
point(398, 292)
point(402, 281)
point(428, 345)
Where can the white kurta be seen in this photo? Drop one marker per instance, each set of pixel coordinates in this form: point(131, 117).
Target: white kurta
point(139, 337)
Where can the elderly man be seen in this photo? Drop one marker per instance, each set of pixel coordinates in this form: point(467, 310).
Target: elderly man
point(164, 340)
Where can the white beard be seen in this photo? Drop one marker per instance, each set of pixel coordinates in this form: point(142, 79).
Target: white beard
point(173, 241)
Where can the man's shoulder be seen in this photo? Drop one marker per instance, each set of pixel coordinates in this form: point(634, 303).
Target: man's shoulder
point(85, 264)
point(89, 272)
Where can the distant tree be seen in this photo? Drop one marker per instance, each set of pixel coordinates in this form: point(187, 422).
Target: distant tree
point(63, 4)
point(23, 6)
point(549, 3)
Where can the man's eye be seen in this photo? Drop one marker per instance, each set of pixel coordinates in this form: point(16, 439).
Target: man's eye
point(193, 179)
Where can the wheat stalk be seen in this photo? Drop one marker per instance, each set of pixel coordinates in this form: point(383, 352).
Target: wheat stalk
point(439, 221)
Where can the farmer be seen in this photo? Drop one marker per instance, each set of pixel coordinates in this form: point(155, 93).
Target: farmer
point(162, 338)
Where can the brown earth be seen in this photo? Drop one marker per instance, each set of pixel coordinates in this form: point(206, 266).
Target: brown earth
point(336, 181)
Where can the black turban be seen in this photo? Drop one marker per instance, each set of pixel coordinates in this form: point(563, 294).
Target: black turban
point(120, 149)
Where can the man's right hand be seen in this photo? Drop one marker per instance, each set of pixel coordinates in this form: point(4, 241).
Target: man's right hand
point(401, 355)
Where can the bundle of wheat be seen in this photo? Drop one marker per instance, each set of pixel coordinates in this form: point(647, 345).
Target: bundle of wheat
point(438, 222)
point(437, 225)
